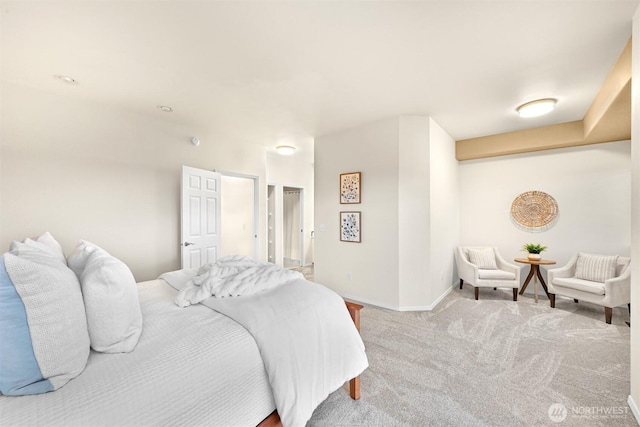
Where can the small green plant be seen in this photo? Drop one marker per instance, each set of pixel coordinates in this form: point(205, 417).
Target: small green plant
point(534, 248)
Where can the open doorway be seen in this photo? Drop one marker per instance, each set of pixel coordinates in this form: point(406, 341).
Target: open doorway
point(239, 215)
point(292, 228)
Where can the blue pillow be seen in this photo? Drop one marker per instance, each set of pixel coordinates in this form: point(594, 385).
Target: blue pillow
point(19, 370)
point(44, 340)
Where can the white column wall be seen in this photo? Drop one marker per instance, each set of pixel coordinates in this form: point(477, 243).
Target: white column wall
point(414, 215)
point(444, 212)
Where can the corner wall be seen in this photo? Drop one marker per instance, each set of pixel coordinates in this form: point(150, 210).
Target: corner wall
point(409, 213)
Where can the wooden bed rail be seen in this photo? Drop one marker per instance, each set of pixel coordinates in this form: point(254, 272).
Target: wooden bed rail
point(273, 420)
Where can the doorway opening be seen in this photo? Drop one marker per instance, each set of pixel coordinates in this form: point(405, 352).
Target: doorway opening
point(292, 227)
point(239, 214)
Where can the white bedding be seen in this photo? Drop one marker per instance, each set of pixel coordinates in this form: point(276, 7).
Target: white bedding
point(163, 382)
point(308, 342)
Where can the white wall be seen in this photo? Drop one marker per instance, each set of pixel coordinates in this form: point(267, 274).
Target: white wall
point(444, 191)
point(297, 171)
point(96, 172)
point(414, 212)
point(634, 398)
point(372, 150)
point(591, 184)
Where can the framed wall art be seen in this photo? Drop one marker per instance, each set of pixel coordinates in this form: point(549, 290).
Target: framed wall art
point(350, 186)
point(350, 227)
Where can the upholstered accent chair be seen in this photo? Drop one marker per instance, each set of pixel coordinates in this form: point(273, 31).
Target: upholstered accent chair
point(597, 279)
point(484, 267)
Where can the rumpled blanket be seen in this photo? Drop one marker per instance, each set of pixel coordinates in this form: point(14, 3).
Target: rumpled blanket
point(233, 276)
point(308, 342)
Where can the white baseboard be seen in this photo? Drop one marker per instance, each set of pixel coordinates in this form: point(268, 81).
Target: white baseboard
point(401, 308)
point(634, 408)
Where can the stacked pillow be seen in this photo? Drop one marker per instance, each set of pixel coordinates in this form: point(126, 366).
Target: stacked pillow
point(50, 317)
point(43, 327)
point(110, 297)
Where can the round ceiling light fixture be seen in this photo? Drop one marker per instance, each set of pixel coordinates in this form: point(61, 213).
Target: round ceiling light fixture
point(536, 108)
point(165, 108)
point(285, 150)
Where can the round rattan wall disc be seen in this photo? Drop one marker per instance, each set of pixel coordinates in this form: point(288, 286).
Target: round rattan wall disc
point(534, 211)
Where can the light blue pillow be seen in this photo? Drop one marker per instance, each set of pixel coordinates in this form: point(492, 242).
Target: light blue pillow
point(44, 341)
point(19, 370)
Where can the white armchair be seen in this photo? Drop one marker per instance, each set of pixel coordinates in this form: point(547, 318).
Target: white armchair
point(484, 267)
point(598, 279)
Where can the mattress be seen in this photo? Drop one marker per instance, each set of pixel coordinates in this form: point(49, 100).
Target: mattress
point(191, 367)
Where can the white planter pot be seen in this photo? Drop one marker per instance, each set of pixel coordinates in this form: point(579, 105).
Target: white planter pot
point(534, 257)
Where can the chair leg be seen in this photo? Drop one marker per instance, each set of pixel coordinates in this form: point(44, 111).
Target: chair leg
point(552, 300)
point(515, 294)
point(461, 281)
point(608, 312)
point(477, 292)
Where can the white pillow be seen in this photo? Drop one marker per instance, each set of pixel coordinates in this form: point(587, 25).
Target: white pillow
point(483, 258)
point(47, 239)
point(78, 258)
point(32, 246)
point(48, 339)
point(111, 301)
point(596, 268)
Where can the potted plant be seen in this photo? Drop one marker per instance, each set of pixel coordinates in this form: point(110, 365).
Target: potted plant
point(534, 249)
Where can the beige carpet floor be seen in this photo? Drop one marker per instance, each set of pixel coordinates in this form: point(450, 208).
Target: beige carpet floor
point(492, 362)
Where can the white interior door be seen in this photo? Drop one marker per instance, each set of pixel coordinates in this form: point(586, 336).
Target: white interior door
point(200, 218)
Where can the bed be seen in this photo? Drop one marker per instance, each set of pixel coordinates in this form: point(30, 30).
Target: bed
point(196, 366)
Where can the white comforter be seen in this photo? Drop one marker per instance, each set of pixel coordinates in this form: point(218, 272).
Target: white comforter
point(307, 340)
point(233, 276)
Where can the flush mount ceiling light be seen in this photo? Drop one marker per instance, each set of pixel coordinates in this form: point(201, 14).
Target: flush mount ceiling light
point(536, 108)
point(164, 108)
point(285, 150)
point(66, 79)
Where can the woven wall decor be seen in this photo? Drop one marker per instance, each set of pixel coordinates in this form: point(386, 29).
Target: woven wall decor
point(534, 211)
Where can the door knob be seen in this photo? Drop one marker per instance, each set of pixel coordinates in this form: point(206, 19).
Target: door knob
point(187, 244)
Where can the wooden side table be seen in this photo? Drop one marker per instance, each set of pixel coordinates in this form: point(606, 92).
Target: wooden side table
point(535, 273)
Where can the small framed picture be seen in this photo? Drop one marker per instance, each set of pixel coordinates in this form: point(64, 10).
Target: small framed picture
point(350, 186)
point(350, 227)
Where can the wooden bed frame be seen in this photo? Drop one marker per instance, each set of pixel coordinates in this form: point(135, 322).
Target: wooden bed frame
point(273, 420)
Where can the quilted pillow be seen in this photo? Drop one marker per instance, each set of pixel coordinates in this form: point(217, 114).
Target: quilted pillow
point(33, 246)
point(483, 258)
point(44, 341)
point(596, 268)
point(111, 300)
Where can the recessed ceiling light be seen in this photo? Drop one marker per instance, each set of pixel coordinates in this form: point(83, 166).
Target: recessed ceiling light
point(285, 150)
point(165, 108)
point(66, 79)
point(536, 108)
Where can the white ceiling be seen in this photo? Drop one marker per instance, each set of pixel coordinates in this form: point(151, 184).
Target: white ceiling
point(271, 72)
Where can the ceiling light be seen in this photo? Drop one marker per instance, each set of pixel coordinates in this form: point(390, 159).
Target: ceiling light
point(164, 108)
point(285, 150)
point(536, 108)
point(66, 79)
